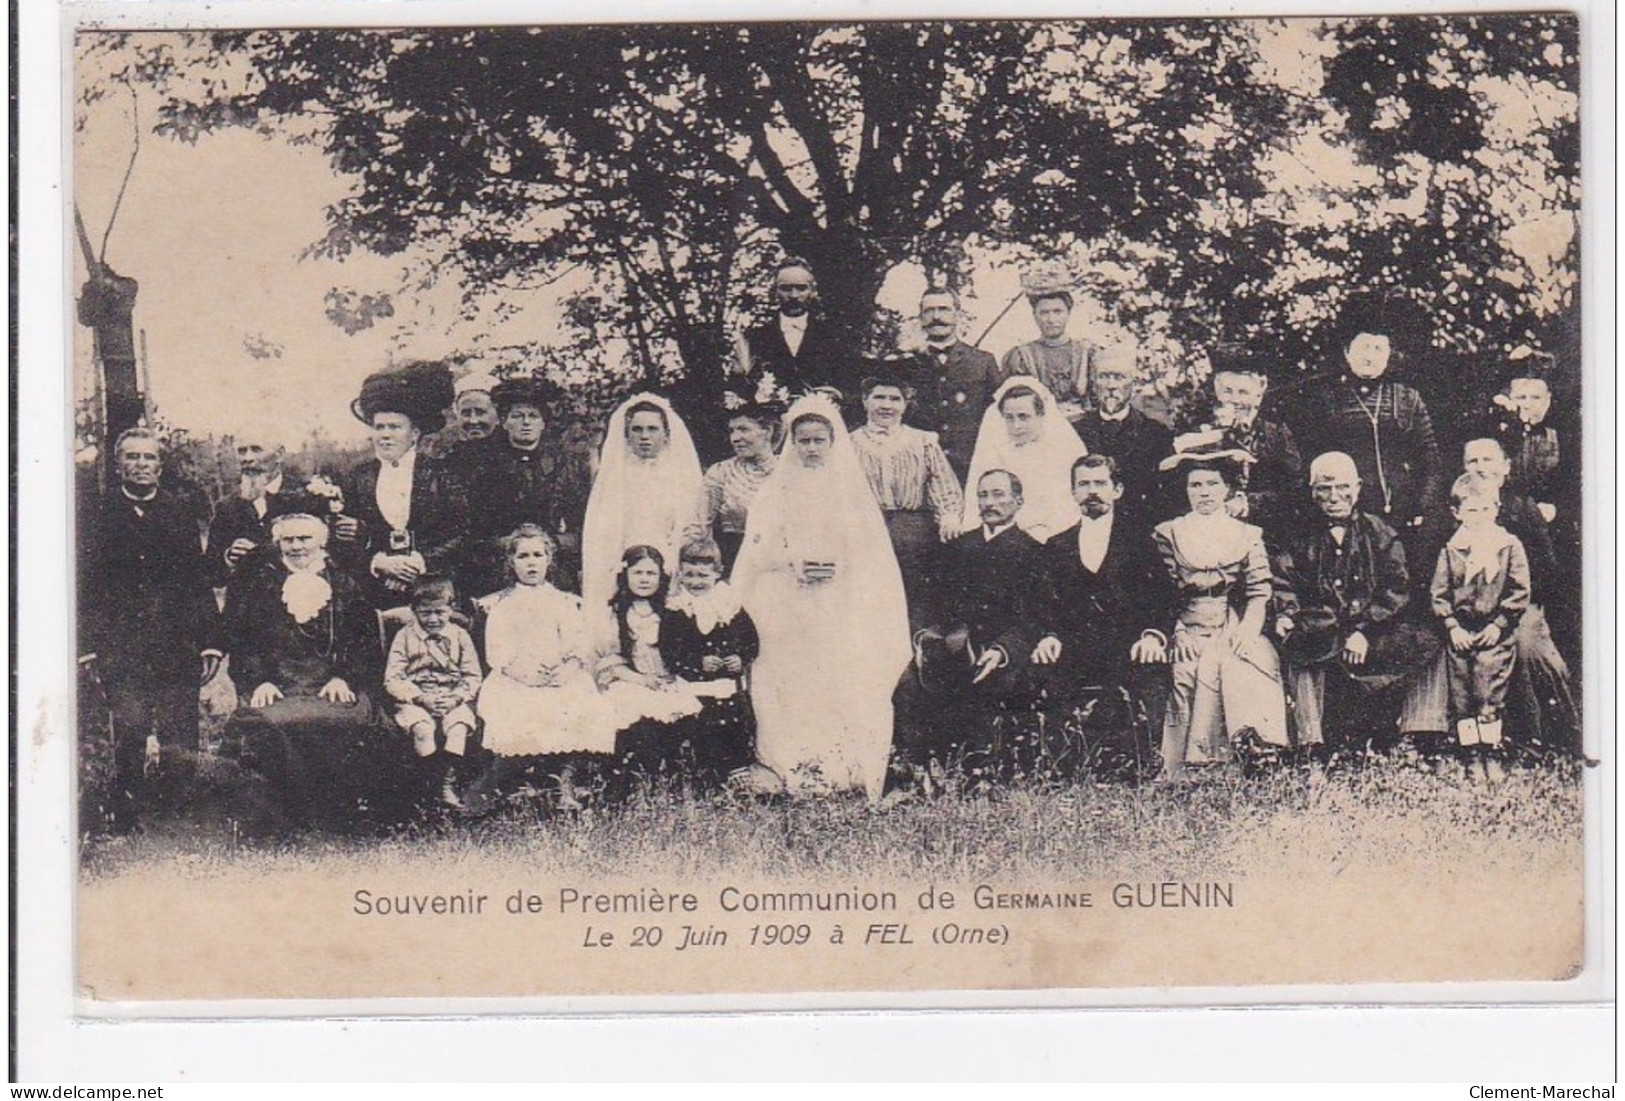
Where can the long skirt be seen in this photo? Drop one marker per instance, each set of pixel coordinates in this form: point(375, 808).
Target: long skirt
point(522, 720)
point(326, 762)
point(1221, 692)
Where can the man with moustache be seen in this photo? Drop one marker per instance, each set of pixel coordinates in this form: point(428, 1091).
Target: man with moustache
point(147, 615)
point(970, 666)
point(1272, 497)
point(1114, 427)
point(915, 487)
point(800, 348)
point(953, 382)
point(1101, 591)
point(266, 489)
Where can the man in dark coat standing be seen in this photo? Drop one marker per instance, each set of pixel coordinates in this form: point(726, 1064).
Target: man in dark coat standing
point(1344, 616)
point(405, 513)
point(970, 667)
point(1114, 427)
point(800, 348)
point(953, 382)
point(147, 615)
point(1102, 590)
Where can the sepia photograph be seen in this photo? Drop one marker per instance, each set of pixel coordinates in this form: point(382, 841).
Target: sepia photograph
point(1092, 508)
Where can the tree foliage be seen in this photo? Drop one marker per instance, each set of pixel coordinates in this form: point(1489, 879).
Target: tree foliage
point(1207, 180)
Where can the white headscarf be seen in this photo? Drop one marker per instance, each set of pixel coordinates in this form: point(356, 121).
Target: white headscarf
point(638, 501)
point(1044, 466)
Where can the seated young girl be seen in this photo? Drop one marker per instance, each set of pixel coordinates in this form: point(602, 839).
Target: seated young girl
point(539, 703)
point(708, 640)
point(645, 697)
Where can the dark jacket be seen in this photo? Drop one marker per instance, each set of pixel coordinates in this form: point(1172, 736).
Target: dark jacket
point(235, 518)
point(438, 524)
point(508, 487)
point(1098, 616)
point(1138, 444)
point(986, 586)
point(827, 357)
point(145, 597)
point(1385, 428)
point(951, 390)
point(1365, 581)
point(683, 647)
point(268, 647)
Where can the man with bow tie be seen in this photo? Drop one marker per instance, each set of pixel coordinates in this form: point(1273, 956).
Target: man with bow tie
point(1343, 612)
point(147, 615)
point(953, 382)
point(800, 348)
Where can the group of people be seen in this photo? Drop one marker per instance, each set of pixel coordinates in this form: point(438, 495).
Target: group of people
point(908, 567)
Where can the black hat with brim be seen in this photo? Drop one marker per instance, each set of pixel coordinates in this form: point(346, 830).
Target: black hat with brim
point(420, 391)
point(544, 394)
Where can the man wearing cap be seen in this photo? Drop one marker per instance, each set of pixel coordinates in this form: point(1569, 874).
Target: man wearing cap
point(406, 516)
point(1342, 607)
point(530, 477)
point(1273, 493)
point(915, 487)
point(147, 616)
point(1114, 427)
point(953, 382)
point(266, 489)
point(800, 348)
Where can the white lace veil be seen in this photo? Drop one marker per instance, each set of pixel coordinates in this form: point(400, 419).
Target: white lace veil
point(638, 501)
point(1044, 466)
point(829, 513)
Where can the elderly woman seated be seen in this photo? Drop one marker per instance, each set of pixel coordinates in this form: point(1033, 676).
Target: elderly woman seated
point(304, 652)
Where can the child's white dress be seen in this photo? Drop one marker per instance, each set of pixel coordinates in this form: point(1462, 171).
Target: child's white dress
point(540, 696)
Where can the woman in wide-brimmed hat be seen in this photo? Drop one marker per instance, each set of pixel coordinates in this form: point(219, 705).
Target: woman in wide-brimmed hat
point(1226, 675)
point(404, 516)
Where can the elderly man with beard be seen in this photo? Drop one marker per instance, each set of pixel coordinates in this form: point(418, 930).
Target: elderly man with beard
point(953, 382)
point(266, 489)
point(1114, 427)
point(1272, 494)
point(1101, 592)
point(304, 658)
point(914, 486)
point(147, 616)
point(970, 665)
point(1343, 611)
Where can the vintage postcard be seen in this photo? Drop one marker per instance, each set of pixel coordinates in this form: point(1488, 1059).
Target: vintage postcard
point(1084, 510)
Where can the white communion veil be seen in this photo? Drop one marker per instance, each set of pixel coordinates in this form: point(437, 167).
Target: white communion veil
point(831, 651)
point(638, 501)
point(1044, 466)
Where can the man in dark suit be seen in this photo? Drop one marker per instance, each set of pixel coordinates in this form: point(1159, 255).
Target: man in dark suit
point(147, 616)
point(970, 667)
point(1101, 592)
point(405, 513)
point(1114, 427)
point(242, 522)
point(953, 382)
point(800, 348)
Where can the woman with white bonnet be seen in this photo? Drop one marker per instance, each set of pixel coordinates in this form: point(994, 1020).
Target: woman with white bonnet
point(647, 493)
point(1024, 432)
point(820, 581)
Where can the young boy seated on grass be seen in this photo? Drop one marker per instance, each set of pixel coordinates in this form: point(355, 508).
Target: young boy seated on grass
point(1480, 589)
point(433, 676)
